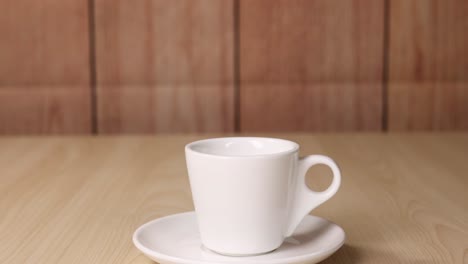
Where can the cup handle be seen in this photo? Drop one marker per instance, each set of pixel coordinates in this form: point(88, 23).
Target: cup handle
point(305, 199)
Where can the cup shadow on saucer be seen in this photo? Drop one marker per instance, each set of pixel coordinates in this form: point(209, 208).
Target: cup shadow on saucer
point(308, 236)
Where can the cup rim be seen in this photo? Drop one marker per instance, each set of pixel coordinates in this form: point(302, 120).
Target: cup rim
point(293, 149)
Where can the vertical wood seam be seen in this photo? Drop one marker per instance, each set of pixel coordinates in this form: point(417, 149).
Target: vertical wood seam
point(92, 65)
point(385, 66)
point(237, 91)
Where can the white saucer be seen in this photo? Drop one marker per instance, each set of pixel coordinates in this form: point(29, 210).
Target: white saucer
point(175, 240)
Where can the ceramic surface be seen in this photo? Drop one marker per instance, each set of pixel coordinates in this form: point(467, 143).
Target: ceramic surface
point(250, 193)
point(175, 240)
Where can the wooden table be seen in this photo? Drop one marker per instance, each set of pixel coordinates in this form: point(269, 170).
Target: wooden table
point(404, 198)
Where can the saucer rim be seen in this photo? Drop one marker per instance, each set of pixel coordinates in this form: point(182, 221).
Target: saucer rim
point(150, 253)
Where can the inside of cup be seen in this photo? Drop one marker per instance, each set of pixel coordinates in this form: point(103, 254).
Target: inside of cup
point(243, 146)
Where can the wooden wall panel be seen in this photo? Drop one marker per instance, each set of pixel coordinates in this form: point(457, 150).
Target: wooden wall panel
point(165, 109)
point(39, 110)
point(311, 65)
point(428, 65)
point(165, 66)
point(44, 67)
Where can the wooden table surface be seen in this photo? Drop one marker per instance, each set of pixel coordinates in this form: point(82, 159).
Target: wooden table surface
point(404, 198)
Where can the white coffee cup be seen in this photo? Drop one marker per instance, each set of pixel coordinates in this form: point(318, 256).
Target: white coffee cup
point(250, 193)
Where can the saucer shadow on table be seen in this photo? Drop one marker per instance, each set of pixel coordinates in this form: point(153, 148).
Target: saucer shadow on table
point(346, 254)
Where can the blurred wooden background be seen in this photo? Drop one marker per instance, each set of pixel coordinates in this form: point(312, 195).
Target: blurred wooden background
point(163, 66)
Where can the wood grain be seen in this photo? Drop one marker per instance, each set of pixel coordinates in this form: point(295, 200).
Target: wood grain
point(314, 107)
point(79, 199)
point(166, 109)
point(64, 110)
point(44, 43)
point(44, 67)
point(161, 51)
point(300, 52)
point(428, 106)
point(428, 65)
